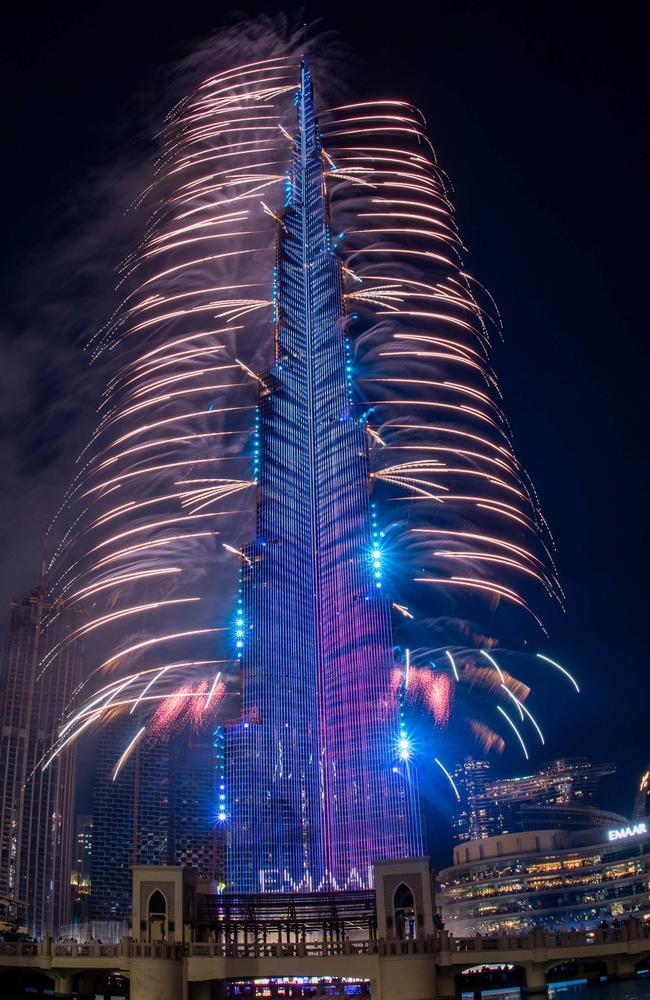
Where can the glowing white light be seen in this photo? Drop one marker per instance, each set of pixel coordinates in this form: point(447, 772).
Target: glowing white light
point(516, 731)
point(453, 664)
point(623, 832)
point(127, 751)
point(566, 673)
point(494, 664)
point(451, 780)
point(404, 747)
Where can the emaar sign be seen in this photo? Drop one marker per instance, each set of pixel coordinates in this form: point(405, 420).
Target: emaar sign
point(623, 832)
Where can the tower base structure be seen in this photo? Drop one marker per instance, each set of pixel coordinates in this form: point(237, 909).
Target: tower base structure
point(193, 942)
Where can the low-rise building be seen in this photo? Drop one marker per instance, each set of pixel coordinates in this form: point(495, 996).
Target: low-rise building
point(547, 878)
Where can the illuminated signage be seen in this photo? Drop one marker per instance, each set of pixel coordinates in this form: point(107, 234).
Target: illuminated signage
point(623, 832)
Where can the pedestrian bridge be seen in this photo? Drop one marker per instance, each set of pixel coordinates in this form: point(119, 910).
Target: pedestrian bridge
point(411, 969)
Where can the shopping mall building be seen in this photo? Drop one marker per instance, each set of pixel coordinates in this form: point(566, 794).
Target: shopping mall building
point(547, 878)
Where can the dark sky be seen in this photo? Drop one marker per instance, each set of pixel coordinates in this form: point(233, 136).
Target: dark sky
point(537, 114)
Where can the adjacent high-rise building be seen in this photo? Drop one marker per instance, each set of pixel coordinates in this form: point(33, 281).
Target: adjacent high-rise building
point(159, 810)
point(312, 793)
point(475, 817)
point(196, 838)
point(130, 823)
point(80, 875)
point(36, 803)
point(562, 795)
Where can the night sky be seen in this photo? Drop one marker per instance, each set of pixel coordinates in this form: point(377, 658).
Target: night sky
point(536, 111)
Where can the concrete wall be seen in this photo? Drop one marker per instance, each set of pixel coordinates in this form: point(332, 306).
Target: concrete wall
point(156, 979)
point(406, 978)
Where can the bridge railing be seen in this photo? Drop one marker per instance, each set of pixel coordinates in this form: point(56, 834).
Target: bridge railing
point(93, 949)
point(304, 949)
point(20, 948)
point(64, 949)
point(167, 950)
point(126, 948)
point(410, 946)
point(275, 949)
point(444, 942)
point(538, 937)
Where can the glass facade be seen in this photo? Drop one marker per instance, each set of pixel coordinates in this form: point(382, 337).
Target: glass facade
point(130, 824)
point(475, 817)
point(312, 795)
point(36, 803)
point(159, 811)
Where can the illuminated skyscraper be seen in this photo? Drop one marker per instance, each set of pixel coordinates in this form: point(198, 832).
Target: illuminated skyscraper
point(474, 818)
point(159, 811)
point(36, 804)
point(562, 795)
point(317, 784)
point(80, 874)
point(130, 825)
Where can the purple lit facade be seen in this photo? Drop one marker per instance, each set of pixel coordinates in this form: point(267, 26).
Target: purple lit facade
point(315, 787)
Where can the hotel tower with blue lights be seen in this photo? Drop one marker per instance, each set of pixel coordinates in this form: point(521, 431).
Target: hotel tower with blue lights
point(315, 787)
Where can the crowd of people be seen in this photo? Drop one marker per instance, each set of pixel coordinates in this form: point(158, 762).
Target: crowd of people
point(487, 976)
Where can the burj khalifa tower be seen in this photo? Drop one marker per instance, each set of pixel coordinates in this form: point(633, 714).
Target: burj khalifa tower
point(314, 793)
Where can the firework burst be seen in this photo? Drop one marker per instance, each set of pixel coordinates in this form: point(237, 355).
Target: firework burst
point(167, 484)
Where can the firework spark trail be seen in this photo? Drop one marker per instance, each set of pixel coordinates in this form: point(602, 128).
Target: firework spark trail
point(562, 670)
point(190, 704)
point(454, 681)
point(524, 711)
point(143, 520)
point(427, 356)
point(175, 418)
point(431, 688)
point(514, 728)
point(487, 739)
point(130, 747)
point(453, 664)
point(105, 698)
point(449, 778)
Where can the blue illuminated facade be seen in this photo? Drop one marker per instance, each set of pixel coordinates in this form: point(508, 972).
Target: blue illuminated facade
point(315, 788)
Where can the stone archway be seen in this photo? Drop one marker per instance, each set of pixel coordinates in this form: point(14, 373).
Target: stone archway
point(157, 916)
point(591, 969)
point(490, 975)
point(404, 911)
point(20, 980)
